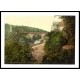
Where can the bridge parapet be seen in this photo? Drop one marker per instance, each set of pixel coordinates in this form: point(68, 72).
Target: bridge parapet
point(31, 34)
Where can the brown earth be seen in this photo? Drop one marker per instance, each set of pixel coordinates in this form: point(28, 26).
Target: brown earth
point(38, 53)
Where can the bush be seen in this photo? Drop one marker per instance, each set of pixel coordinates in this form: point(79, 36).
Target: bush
point(68, 56)
point(55, 42)
point(16, 53)
point(53, 49)
point(62, 57)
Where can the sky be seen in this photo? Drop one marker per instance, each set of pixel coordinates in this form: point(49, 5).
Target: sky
point(37, 21)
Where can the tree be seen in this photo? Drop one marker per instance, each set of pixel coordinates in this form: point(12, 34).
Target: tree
point(15, 53)
point(57, 39)
point(17, 49)
point(53, 47)
point(69, 22)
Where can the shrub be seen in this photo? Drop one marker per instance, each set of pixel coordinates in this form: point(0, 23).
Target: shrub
point(16, 53)
point(53, 49)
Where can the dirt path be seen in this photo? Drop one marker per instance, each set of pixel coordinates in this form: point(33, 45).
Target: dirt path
point(38, 53)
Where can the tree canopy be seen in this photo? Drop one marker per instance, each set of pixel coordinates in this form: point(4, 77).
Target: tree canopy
point(57, 39)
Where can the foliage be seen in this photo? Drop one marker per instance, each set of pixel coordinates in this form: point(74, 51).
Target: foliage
point(55, 40)
point(22, 28)
point(68, 56)
point(17, 53)
point(17, 48)
point(69, 22)
point(61, 57)
point(53, 49)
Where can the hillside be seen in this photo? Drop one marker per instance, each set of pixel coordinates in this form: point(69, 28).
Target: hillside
point(22, 28)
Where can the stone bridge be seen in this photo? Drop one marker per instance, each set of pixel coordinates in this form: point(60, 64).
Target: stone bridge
point(31, 34)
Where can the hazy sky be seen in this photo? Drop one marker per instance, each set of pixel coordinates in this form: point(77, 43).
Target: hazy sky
point(41, 22)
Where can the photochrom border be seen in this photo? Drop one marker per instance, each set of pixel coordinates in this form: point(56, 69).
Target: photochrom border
point(41, 66)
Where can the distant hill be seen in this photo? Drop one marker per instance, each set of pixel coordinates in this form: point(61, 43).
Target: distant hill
point(22, 28)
